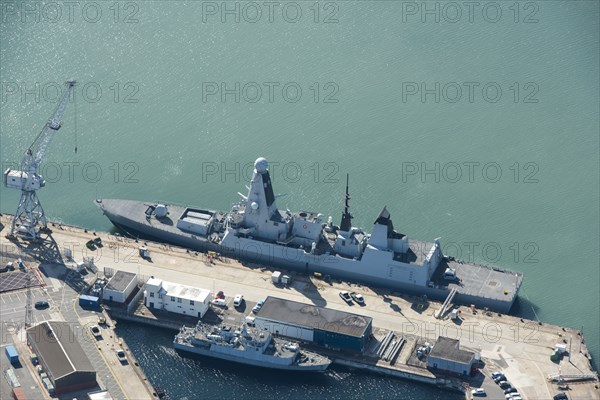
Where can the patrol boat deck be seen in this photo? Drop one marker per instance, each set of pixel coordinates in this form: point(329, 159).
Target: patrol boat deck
point(255, 230)
point(248, 345)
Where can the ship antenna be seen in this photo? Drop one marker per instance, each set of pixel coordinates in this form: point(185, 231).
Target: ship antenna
point(346, 224)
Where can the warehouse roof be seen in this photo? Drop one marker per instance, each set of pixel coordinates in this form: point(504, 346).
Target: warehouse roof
point(448, 349)
point(120, 281)
point(56, 344)
point(308, 315)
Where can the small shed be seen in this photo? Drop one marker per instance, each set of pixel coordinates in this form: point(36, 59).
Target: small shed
point(120, 286)
point(447, 355)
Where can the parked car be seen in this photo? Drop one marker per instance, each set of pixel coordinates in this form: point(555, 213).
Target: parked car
point(504, 384)
point(346, 296)
point(238, 300)
point(510, 390)
point(358, 298)
point(219, 303)
point(560, 396)
point(95, 329)
point(499, 379)
point(497, 374)
point(478, 392)
point(121, 356)
point(220, 295)
point(258, 306)
point(41, 304)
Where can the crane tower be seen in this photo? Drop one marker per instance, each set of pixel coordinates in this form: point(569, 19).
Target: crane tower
point(29, 212)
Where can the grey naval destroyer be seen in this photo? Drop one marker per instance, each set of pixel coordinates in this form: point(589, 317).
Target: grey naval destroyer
point(248, 345)
point(256, 230)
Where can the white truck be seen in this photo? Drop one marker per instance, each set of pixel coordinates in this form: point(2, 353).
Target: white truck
point(279, 279)
point(276, 277)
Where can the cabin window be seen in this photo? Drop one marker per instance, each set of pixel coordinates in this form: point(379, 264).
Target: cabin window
point(151, 294)
point(343, 242)
point(191, 302)
point(179, 300)
point(172, 298)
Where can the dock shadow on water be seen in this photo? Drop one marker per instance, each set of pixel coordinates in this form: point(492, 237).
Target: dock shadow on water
point(195, 377)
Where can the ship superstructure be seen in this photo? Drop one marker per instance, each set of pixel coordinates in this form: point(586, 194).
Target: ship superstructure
point(248, 345)
point(256, 230)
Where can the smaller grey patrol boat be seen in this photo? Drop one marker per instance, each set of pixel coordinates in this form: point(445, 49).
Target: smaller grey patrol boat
point(248, 345)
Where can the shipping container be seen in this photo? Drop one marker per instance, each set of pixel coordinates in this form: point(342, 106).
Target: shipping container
point(89, 301)
point(18, 394)
point(12, 354)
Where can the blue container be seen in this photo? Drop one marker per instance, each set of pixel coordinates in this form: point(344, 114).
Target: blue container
point(86, 301)
point(12, 354)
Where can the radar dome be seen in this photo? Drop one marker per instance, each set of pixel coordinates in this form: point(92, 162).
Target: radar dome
point(261, 164)
point(254, 205)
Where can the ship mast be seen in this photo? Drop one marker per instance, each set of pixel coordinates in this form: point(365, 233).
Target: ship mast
point(346, 224)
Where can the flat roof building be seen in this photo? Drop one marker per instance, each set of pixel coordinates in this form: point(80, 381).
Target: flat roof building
point(61, 356)
point(173, 297)
point(447, 355)
point(120, 286)
point(323, 326)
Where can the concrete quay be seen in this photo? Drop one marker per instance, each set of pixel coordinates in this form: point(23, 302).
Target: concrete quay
point(520, 348)
point(60, 287)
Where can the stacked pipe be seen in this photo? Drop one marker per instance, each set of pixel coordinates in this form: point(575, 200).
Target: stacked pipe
point(384, 343)
point(396, 351)
point(388, 352)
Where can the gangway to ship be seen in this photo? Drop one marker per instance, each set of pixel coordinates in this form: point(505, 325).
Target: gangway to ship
point(571, 377)
point(440, 313)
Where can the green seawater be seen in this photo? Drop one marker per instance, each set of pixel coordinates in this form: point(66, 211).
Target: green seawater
point(479, 126)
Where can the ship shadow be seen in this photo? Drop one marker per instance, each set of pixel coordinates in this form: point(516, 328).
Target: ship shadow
point(418, 304)
point(304, 284)
point(311, 291)
point(165, 220)
point(525, 309)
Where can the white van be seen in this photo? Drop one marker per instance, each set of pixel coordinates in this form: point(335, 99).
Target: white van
point(238, 300)
point(219, 302)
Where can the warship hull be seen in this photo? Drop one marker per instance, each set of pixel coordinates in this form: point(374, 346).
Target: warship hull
point(231, 356)
point(249, 346)
point(482, 286)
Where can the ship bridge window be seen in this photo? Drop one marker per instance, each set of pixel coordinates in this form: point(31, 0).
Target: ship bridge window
point(172, 298)
point(151, 294)
point(191, 302)
point(179, 300)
